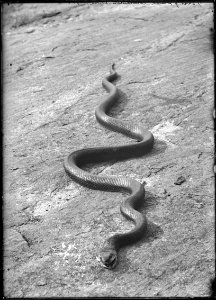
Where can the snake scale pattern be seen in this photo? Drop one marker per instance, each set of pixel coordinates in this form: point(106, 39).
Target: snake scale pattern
point(74, 162)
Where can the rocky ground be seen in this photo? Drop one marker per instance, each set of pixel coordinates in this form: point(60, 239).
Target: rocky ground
point(55, 57)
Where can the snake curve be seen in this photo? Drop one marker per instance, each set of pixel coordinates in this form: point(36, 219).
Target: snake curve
point(74, 162)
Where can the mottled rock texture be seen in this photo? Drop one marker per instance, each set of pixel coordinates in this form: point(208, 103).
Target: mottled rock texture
point(55, 57)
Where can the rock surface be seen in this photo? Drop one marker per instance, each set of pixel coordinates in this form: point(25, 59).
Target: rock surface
point(55, 57)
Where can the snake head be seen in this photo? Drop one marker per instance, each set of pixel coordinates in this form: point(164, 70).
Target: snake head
point(108, 258)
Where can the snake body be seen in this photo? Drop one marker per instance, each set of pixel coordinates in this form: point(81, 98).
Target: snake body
point(74, 162)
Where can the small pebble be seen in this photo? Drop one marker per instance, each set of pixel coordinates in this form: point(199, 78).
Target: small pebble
point(41, 282)
point(30, 30)
point(199, 205)
point(19, 69)
point(180, 180)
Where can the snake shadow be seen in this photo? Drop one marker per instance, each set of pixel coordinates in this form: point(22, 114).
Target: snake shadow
point(152, 232)
point(115, 112)
point(120, 105)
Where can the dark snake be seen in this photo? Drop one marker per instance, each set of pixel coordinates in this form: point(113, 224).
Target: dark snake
point(74, 162)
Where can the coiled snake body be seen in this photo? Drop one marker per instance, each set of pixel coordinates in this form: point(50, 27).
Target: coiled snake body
point(74, 162)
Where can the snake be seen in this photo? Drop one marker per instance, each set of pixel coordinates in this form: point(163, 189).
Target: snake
point(75, 161)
